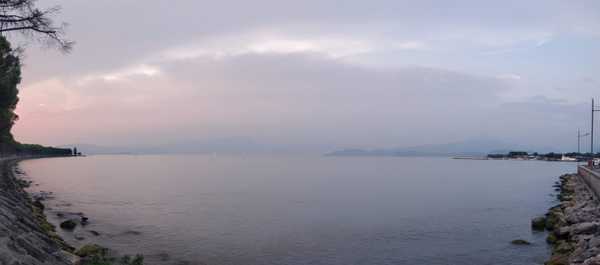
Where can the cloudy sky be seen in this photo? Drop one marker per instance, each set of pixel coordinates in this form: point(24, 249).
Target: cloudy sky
point(315, 73)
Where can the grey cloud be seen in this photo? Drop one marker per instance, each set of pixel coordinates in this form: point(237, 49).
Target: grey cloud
point(444, 91)
point(290, 99)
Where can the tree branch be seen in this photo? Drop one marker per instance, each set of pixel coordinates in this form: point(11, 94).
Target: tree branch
point(22, 16)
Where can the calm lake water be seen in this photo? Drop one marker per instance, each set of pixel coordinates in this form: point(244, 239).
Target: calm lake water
point(201, 209)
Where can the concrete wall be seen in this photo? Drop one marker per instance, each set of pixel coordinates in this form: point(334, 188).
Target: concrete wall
point(591, 178)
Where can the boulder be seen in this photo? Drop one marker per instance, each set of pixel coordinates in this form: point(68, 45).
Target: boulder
point(72, 258)
point(594, 242)
point(38, 204)
point(554, 219)
point(590, 252)
point(538, 223)
point(562, 232)
point(563, 247)
point(68, 225)
point(84, 220)
point(558, 260)
point(520, 242)
point(592, 261)
point(91, 250)
point(585, 228)
point(551, 238)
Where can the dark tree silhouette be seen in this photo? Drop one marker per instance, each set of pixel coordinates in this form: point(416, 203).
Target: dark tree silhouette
point(10, 77)
point(23, 17)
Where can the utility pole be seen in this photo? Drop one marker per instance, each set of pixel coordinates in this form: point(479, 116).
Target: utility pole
point(579, 135)
point(594, 109)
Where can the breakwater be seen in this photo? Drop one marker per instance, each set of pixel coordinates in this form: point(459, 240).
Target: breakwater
point(25, 235)
point(574, 223)
point(591, 178)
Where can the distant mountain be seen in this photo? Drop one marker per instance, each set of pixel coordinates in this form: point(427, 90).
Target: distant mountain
point(474, 147)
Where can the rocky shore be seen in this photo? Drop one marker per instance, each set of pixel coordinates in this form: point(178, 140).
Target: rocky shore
point(573, 224)
point(26, 238)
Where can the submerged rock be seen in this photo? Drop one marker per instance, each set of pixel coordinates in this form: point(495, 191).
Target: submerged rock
point(132, 233)
point(91, 250)
point(39, 205)
point(163, 256)
point(69, 215)
point(84, 220)
point(520, 242)
point(538, 223)
point(68, 225)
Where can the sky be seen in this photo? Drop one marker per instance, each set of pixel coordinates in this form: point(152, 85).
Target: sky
point(314, 74)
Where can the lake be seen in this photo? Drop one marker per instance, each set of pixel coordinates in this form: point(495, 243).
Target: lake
point(234, 209)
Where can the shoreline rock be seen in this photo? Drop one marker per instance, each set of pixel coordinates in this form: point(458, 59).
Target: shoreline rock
point(68, 225)
point(538, 223)
point(72, 222)
point(573, 224)
point(26, 236)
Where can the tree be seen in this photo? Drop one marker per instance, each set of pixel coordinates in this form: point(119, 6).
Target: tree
point(23, 17)
point(10, 77)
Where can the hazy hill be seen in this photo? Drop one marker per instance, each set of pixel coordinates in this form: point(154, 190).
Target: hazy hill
point(474, 147)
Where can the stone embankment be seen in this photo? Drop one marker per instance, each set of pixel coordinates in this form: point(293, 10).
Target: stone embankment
point(26, 238)
point(573, 224)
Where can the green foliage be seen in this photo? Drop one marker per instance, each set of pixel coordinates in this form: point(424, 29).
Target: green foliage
point(10, 77)
point(91, 250)
point(36, 149)
point(93, 254)
point(517, 153)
